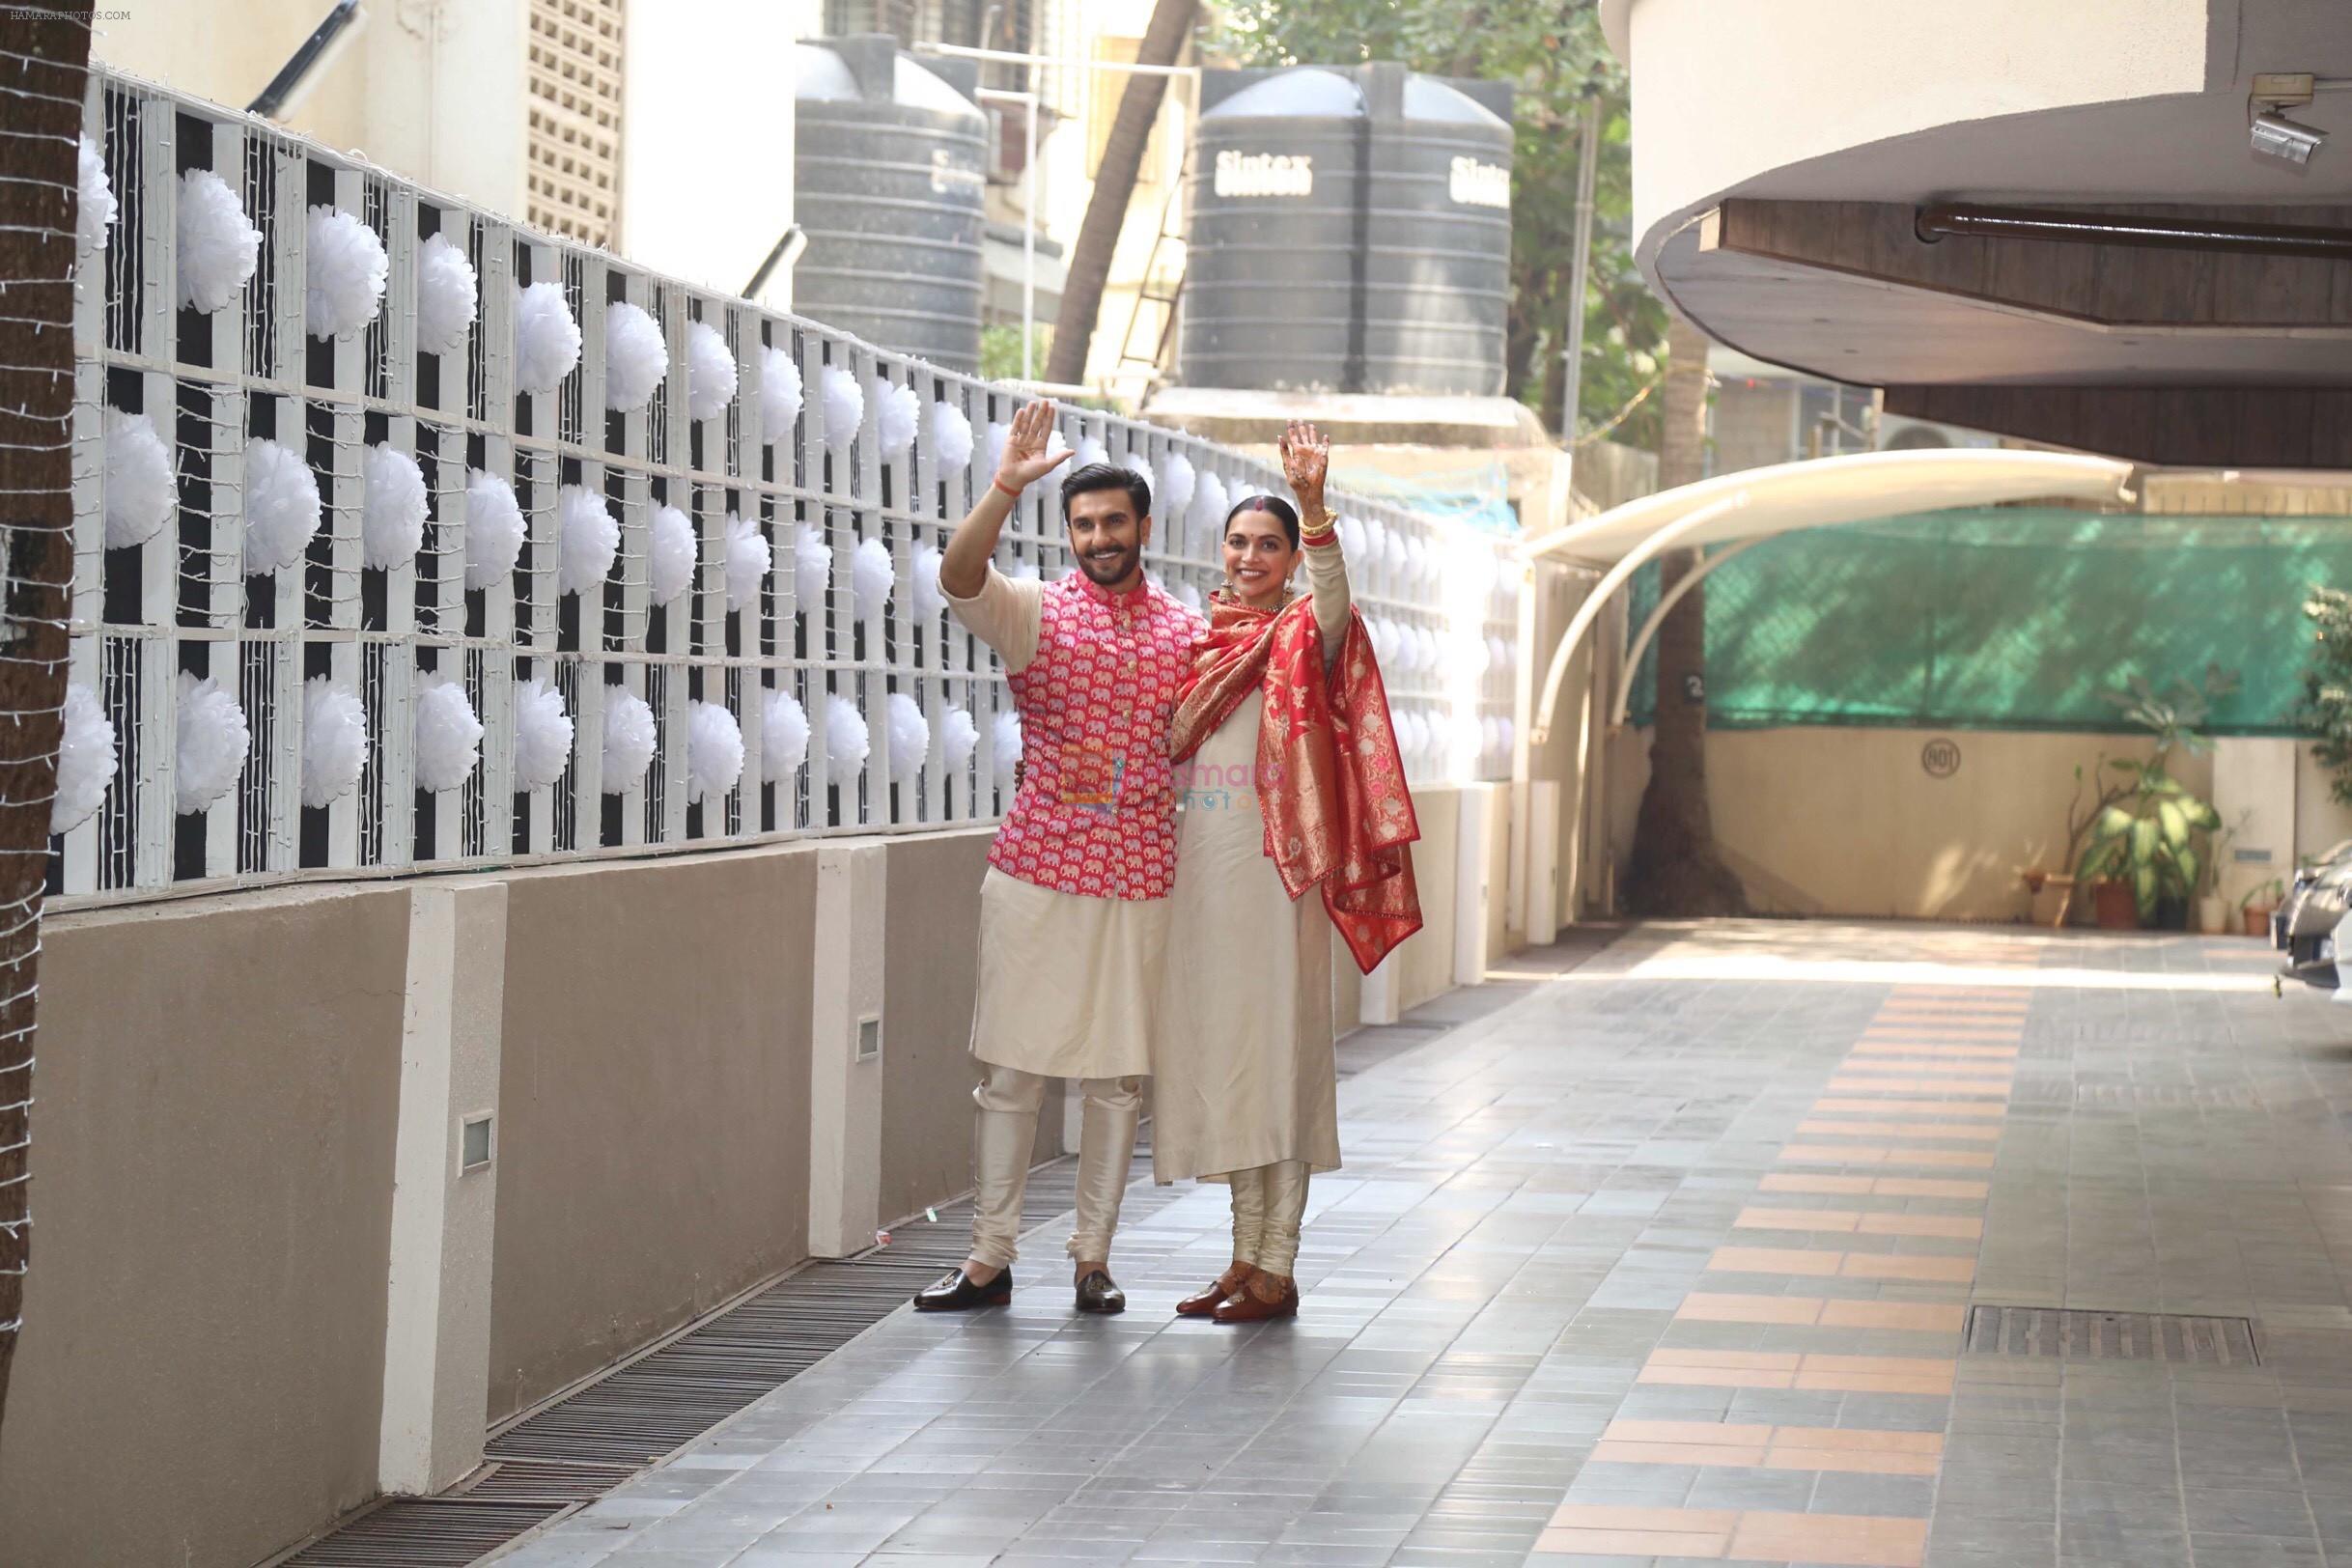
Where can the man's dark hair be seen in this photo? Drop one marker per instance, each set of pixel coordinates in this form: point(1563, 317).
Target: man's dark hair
point(1102, 476)
point(1281, 511)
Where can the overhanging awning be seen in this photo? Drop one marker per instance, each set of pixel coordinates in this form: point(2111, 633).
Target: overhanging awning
point(1757, 503)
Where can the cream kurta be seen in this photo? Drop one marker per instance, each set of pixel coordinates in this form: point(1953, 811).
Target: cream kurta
point(1066, 981)
point(1243, 1073)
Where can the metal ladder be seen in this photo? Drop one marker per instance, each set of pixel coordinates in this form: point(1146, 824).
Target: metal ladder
point(1148, 291)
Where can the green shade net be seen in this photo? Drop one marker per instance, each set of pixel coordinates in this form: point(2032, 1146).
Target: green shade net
point(2008, 619)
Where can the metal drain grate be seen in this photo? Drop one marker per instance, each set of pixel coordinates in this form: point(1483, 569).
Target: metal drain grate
point(427, 1532)
point(2110, 1336)
point(531, 1480)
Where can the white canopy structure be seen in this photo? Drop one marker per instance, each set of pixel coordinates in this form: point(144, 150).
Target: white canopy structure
point(1744, 508)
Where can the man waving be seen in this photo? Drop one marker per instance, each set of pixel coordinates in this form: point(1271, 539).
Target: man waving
point(1074, 909)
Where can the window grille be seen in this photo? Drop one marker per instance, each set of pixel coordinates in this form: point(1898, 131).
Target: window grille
point(573, 135)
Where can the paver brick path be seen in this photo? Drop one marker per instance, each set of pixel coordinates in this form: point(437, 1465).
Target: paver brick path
point(1667, 1262)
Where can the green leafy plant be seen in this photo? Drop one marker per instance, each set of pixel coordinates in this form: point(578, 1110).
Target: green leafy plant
point(2325, 711)
point(2156, 834)
point(2263, 895)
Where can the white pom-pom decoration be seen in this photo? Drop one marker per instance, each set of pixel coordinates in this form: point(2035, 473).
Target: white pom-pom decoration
point(1174, 492)
point(780, 394)
point(93, 214)
point(628, 740)
point(928, 597)
point(896, 412)
point(281, 506)
point(635, 356)
point(1417, 558)
point(591, 539)
point(748, 559)
point(1392, 553)
point(812, 566)
point(1023, 569)
point(1188, 595)
point(958, 737)
point(543, 735)
point(845, 736)
point(1375, 543)
point(671, 566)
point(951, 437)
point(219, 249)
point(872, 575)
point(343, 273)
point(85, 760)
point(392, 507)
point(211, 749)
point(1497, 654)
point(845, 408)
point(1350, 538)
point(1475, 655)
point(997, 436)
point(334, 741)
point(909, 737)
point(1005, 741)
point(1429, 650)
point(710, 373)
point(1209, 506)
point(140, 491)
point(448, 734)
point(547, 339)
point(783, 736)
point(494, 529)
point(447, 291)
point(714, 751)
point(1090, 451)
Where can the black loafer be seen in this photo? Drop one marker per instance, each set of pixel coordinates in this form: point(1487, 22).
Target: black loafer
point(956, 1293)
point(1096, 1294)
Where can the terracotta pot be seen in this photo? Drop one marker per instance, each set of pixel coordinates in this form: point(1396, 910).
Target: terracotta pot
point(2257, 921)
point(2116, 908)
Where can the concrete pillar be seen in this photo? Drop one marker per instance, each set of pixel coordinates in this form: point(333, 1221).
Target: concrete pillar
point(845, 1050)
point(444, 1203)
point(1481, 819)
point(1543, 862)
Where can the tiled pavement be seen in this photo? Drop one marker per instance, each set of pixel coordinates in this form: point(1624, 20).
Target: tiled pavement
point(1667, 1262)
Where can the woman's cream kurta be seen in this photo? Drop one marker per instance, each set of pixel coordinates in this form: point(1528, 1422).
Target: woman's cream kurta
point(1243, 1072)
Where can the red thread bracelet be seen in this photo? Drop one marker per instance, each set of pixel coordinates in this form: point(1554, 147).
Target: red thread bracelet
point(998, 484)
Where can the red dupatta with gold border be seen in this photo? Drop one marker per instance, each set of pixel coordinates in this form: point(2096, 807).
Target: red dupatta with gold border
point(1330, 783)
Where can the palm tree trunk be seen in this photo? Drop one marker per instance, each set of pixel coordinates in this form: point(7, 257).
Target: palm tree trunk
point(44, 63)
point(1676, 870)
point(1115, 186)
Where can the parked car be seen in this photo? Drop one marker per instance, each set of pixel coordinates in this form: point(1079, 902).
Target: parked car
point(2309, 924)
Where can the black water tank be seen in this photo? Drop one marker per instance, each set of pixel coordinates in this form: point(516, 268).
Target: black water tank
point(1275, 218)
point(1350, 230)
point(890, 161)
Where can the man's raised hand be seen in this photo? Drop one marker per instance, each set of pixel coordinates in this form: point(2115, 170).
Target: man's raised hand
point(1025, 460)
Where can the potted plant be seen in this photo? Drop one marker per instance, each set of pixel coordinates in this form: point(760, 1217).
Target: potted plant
point(2257, 905)
point(2147, 851)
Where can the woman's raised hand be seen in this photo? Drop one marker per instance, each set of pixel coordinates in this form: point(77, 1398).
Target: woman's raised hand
point(1025, 460)
point(1306, 461)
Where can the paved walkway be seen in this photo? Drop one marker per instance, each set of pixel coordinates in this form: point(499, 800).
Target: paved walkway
point(1668, 1261)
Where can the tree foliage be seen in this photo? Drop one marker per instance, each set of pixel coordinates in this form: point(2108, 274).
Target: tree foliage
point(2326, 710)
point(1551, 53)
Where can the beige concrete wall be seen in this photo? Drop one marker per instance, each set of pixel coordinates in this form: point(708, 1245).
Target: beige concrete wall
point(1847, 822)
point(2321, 821)
point(653, 1089)
point(931, 968)
point(200, 1376)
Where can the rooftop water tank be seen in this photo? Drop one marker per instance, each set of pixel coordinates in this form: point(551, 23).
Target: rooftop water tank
point(890, 161)
point(1350, 230)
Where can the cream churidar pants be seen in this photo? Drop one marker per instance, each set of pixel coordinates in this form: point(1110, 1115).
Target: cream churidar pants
point(1004, 1138)
point(1269, 1201)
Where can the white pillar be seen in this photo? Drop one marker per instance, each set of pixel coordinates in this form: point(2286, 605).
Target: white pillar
point(1473, 849)
point(444, 1202)
point(845, 1050)
point(1543, 862)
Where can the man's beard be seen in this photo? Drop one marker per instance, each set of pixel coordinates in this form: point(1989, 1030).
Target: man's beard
point(1109, 571)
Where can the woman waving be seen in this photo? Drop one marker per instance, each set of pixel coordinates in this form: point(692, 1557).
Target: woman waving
point(1288, 781)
